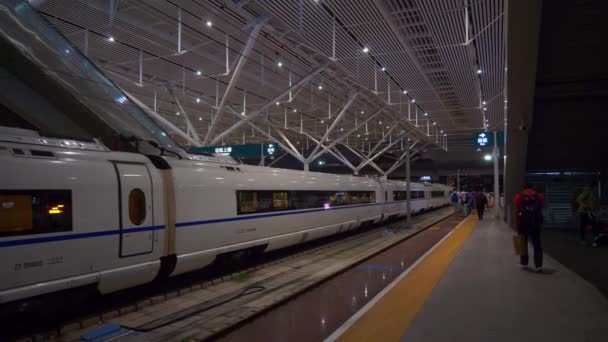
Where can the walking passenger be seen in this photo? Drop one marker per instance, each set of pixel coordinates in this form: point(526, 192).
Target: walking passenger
point(470, 201)
point(529, 218)
point(586, 204)
point(455, 200)
point(480, 203)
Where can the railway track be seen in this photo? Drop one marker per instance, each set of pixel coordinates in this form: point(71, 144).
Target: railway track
point(224, 287)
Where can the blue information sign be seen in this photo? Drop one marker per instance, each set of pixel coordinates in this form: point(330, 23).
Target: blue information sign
point(486, 139)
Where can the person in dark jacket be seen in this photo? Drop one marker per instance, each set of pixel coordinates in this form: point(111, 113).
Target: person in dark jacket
point(480, 203)
point(471, 201)
point(528, 205)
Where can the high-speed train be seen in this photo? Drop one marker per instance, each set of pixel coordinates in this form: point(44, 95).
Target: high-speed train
point(75, 214)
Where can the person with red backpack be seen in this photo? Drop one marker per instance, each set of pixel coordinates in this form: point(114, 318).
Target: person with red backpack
point(529, 218)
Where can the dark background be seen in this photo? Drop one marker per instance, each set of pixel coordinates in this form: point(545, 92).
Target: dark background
point(571, 101)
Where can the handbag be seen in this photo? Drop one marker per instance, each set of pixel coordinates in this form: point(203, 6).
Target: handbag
point(520, 245)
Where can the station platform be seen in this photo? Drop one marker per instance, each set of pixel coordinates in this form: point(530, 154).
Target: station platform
point(469, 287)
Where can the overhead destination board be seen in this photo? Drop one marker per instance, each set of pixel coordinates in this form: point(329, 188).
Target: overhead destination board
point(245, 150)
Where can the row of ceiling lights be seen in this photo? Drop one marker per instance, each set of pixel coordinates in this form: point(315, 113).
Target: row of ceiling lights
point(366, 50)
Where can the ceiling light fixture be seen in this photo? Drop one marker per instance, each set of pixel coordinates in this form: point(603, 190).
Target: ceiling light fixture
point(383, 69)
point(404, 92)
point(365, 49)
point(198, 100)
point(280, 64)
point(198, 72)
point(209, 23)
point(478, 71)
point(111, 39)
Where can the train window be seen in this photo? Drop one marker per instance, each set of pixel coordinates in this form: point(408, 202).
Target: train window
point(309, 199)
point(436, 194)
point(339, 198)
point(247, 201)
point(263, 201)
point(359, 197)
point(24, 212)
point(402, 195)
point(279, 200)
point(137, 206)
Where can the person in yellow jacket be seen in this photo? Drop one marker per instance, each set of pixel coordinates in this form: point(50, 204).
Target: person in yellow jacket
point(586, 204)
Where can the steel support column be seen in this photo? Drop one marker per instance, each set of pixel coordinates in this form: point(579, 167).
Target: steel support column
point(401, 159)
point(342, 137)
point(190, 130)
point(349, 103)
point(338, 155)
point(234, 78)
point(363, 157)
point(382, 139)
point(496, 156)
point(378, 154)
point(282, 135)
point(270, 103)
point(164, 122)
point(269, 136)
point(408, 189)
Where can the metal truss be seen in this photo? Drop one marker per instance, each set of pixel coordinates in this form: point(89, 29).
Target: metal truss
point(349, 102)
point(268, 104)
point(244, 56)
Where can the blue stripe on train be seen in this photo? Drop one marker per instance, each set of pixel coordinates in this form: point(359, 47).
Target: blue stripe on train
point(45, 239)
point(241, 218)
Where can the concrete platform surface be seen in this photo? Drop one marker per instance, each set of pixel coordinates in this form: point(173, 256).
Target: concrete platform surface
point(485, 296)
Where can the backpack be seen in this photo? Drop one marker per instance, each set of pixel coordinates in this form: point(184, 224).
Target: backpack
point(454, 197)
point(530, 210)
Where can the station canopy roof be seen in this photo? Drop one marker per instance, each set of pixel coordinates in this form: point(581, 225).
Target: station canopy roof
point(387, 72)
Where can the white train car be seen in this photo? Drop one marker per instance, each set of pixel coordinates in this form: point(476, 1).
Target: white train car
point(396, 205)
point(75, 214)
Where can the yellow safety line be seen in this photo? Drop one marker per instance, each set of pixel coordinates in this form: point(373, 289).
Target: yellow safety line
point(393, 314)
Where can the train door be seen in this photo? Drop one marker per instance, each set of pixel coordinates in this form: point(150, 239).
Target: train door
point(135, 209)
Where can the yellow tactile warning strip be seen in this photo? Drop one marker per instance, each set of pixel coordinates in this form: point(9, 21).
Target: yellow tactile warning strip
point(392, 315)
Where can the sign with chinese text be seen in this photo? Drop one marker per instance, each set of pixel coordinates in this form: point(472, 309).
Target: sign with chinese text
point(237, 151)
